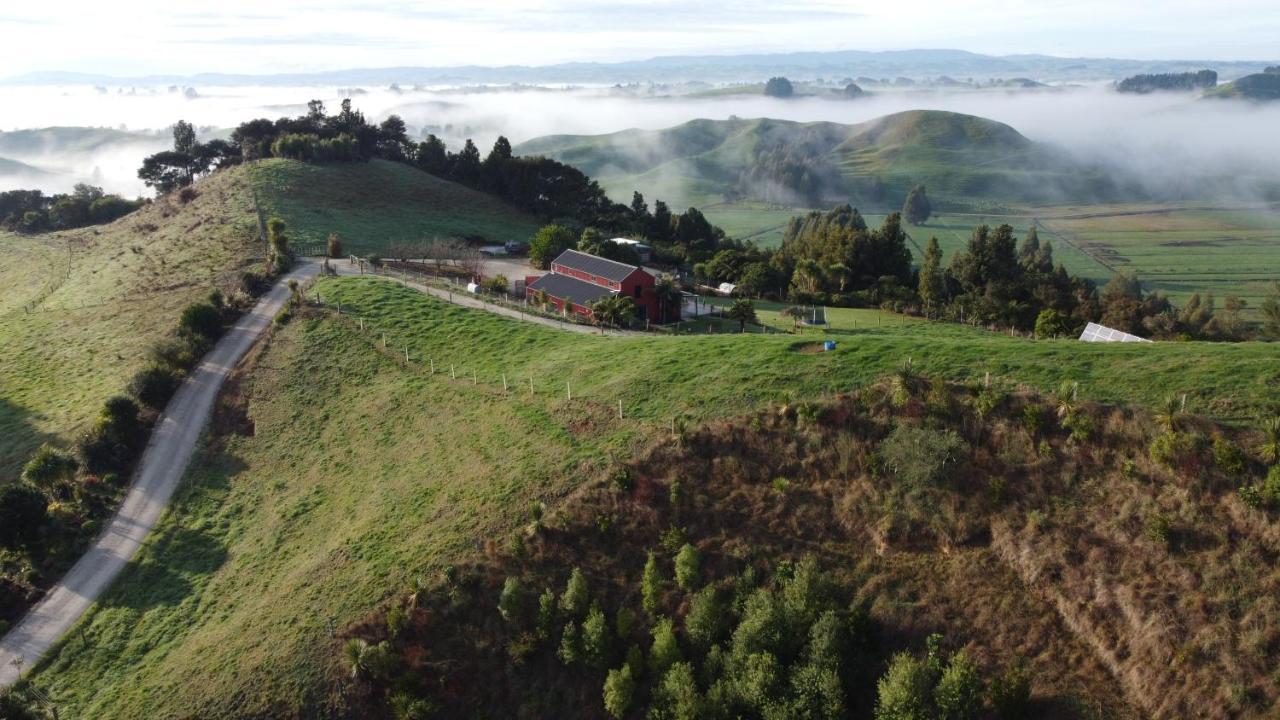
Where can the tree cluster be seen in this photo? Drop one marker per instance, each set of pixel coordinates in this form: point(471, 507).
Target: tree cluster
point(778, 87)
point(189, 159)
point(1143, 84)
point(31, 211)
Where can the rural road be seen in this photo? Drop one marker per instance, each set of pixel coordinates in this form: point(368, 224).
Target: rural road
point(161, 468)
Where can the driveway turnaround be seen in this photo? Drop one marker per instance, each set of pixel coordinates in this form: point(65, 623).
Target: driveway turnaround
point(161, 468)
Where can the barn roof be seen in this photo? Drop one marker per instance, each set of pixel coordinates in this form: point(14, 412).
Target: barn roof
point(578, 292)
point(595, 265)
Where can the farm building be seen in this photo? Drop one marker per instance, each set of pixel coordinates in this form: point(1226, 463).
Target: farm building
point(577, 280)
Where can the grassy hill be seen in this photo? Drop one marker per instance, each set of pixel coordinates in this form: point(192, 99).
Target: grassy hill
point(79, 309)
point(380, 203)
point(1258, 86)
point(44, 142)
point(339, 473)
point(960, 158)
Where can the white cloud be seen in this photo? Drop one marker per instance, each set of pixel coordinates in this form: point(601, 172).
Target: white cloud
point(150, 36)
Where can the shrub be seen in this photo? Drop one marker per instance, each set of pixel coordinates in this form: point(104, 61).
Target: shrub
point(177, 353)
point(687, 570)
point(619, 688)
point(1010, 694)
point(1159, 528)
point(665, 651)
point(624, 622)
point(1079, 424)
point(905, 691)
point(397, 621)
point(201, 320)
point(1174, 448)
point(651, 585)
point(155, 384)
point(1034, 418)
point(1270, 491)
point(546, 613)
point(921, 456)
point(23, 510)
point(806, 594)
point(959, 692)
point(511, 602)
point(1228, 456)
point(576, 597)
point(49, 467)
point(570, 650)
point(334, 246)
point(497, 284)
point(677, 696)
point(112, 443)
point(407, 707)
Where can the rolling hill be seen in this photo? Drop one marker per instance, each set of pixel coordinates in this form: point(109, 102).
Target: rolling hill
point(960, 158)
point(1263, 87)
point(337, 476)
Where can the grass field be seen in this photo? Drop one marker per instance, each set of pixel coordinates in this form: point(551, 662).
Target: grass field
point(363, 473)
point(380, 203)
point(1179, 251)
point(79, 309)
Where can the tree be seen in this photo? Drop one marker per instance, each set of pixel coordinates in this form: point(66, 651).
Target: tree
point(669, 297)
point(512, 601)
point(677, 696)
point(1010, 694)
point(1051, 323)
point(705, 621)
point(687, 566)
point(916, 209)
point(958, 695)
point(166, 171)
point(779, 87)
point(614, 311)
point(619, 688)
point(665, 651)
point(548, 243)
point(432, 156)
point(595, 636)
point(651, 585)
point(1270, 309)
point(22, 513)
point(334, 246)
point(184, 138)
point(279, 242)
point(744, 311)
point(933, 284)
point(575, 598)
point(201, 321)
point(905, 691)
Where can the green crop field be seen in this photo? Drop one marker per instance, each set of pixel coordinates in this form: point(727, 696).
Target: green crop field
point(376, 204)
point(80, 309)
point(364, 472)
point(1179, 251)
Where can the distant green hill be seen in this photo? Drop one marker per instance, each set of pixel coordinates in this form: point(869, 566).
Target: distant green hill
point(22, 170)
point(961, 159)
point(378, 204)
point(41, 142)
point(1259, 86)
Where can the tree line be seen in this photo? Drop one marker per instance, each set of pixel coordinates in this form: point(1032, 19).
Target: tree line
point(834, 258)
point(1143, 84)
point(31, 211)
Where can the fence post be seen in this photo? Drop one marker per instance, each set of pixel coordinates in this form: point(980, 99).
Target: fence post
point(433, 365)
point(530, 384)
point(453, 372)
point(568, 390)
point(384, 341)
point(474, 379)
point(406, 356)
point(619, 408)
point(504, 382)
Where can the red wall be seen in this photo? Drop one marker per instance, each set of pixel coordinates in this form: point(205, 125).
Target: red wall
point(627, 288)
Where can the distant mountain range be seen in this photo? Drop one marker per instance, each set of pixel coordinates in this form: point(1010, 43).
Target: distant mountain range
point(709, 68)
point(962, 159)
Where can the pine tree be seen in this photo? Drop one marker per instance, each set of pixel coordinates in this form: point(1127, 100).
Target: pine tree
point(916, 210)
point(933, 284)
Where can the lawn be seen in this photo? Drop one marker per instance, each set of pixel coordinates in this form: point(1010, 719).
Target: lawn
point(80, 309)
point(377, 204)
point(363, 472)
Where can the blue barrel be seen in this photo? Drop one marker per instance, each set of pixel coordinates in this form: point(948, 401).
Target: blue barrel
point(828, 345)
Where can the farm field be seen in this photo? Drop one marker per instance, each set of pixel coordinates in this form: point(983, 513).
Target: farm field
point(1179, 251)
point(380, 203)
point(363, 472)
point(80, 309)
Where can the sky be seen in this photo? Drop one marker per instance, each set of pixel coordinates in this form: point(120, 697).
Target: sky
point(139, 37)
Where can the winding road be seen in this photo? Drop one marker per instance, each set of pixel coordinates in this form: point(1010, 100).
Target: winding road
point(159, 471)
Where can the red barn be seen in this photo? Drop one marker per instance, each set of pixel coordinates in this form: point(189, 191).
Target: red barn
point(578, 280)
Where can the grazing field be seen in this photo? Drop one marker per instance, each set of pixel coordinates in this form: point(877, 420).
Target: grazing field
point(361, 472)
point(1179, 250)
point(80, 309)
point(762, 223)
point(380, 203)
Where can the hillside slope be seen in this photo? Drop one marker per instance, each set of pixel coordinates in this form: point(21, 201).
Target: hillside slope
point(80, 309)
point(378, 204)
point(958, 157)
point(1263, 87)
point(339, 474)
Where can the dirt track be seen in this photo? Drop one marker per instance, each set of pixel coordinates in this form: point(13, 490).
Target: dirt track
point(161, 468)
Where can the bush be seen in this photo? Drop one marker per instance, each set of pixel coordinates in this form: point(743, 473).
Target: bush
point(546, 613)
point(201, 320)
point(113, 442)
point(334, 246)
point(49, 467)
point(1010, 694)
point(1228, 456)
point(570, 650)
point(1270, 491)
point(497, 284)
point(1174, 448)
point(687, 570)
point(595, 637)
point(511, 602)
point(155, 384)
point(921, 456)
point(619, 688)
point(651, 585)
point(23, 510)
point(177, 353)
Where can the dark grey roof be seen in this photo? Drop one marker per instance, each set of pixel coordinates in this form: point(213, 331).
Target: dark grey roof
point(596, 265)
point(578, 292)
